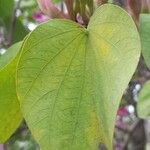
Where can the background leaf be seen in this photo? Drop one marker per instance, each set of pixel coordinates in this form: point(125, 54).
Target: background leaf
point(143, 104)
point(10, 115)
point(145, 37)
point(8, 57)
point(19, 32)
point(67, 78)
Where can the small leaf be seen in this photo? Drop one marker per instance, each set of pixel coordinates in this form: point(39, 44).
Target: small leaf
point(10, 115)
point(70, 79)
point(145, 37)
point(143, 104)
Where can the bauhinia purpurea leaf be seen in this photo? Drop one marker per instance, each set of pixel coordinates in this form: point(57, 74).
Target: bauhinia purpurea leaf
point(70, 79)
point(143, 104)
point(145, 37)
point(10, 115)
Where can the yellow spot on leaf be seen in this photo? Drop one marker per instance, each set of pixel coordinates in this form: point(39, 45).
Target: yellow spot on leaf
point(93, 130)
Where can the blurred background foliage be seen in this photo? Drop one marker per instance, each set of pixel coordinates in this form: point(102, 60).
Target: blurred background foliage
point(19, 17)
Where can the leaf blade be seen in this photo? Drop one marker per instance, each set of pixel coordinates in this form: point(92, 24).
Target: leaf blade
point(10, 115)
point(112, 39)
point(71, 92)
point(145, 36)
point(143, 103)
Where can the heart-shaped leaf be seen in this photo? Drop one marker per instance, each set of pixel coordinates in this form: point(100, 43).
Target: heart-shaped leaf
point(145, 37)
point(70, 79)
point(143, 104)
point(10, 115)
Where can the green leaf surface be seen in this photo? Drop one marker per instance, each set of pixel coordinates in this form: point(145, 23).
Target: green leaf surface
point(10, 115)
point(8, 57)
point(145, 37)
point(143, 104)
point(70, 79)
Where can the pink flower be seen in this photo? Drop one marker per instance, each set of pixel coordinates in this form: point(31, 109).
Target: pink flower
point(48, 8)
point(39, 17)
point(79, 19)
point(122, 112)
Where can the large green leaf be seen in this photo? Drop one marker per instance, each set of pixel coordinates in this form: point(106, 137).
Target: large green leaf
point(10, 115)
point(145, 37)
point(143, 104)
point(70, 79)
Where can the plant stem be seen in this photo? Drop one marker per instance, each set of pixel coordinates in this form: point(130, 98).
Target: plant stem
point(13, 22)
